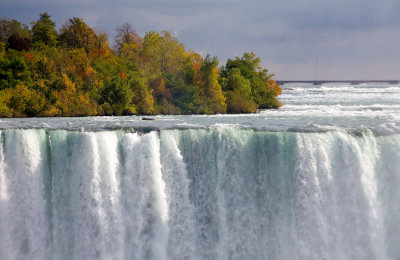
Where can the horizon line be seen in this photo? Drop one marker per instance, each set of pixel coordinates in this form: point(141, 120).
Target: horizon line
point(337, 80)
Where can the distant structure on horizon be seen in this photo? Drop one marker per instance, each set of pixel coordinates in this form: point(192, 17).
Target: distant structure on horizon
point(352, 82)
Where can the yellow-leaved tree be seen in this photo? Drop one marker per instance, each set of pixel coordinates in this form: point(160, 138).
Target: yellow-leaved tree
point(212, 97)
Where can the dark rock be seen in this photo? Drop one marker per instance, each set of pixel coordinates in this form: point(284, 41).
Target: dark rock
point(147, 118)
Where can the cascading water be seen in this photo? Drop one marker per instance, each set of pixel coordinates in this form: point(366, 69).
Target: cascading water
point(316, 179)
point(219, 193)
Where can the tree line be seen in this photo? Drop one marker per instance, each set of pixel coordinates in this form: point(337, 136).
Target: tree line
point(75, 72)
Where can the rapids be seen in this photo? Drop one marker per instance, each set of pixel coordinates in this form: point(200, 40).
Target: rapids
point(317, 179)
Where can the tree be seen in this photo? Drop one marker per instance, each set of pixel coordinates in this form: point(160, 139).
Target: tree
point(163, 52)
point(184, 96)
point(160, 91)
point(213, 100)
point(101, 47)
point(71, 101)
point(13, 71)
point(117, 97)
point(238, 93)
point(126, 35)
point(21, 101)
point(5, 98)
point(76, 34)
point(263, 89)
point(143, 97)
point(128, 45)
point(2, 50)
point(77, 74)
point(130, 53)
point(14, 34)
point(16, 42)
point(44, 31)
point(8, 27)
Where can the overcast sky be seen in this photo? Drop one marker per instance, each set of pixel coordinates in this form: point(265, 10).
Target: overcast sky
point(295, 39)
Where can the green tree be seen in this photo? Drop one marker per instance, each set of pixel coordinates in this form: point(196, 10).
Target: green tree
point(238, 93)
point(13, 71)
point(213, 100)
point(117, 97)
point(185, 96)
point(44, 31)
point(263, 89)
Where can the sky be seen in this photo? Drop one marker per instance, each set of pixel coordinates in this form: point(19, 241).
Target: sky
point(295, 39)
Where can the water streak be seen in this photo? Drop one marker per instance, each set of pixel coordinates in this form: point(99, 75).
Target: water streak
point(219, 193)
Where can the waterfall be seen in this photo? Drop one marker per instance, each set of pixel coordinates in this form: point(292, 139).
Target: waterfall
point(216, 193)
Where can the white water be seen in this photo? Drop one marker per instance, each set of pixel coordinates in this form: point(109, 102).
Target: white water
point(199, 194)
point(221, 190)
point(307, 108)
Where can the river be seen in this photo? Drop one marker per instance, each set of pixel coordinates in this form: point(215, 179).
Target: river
point(315, 179)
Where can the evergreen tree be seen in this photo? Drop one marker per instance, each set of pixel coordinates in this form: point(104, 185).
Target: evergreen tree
point(44, 31)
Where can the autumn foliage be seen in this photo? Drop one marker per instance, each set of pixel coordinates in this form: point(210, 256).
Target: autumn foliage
point(75, 72)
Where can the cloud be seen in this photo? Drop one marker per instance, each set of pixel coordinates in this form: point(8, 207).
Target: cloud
point(344, 38)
